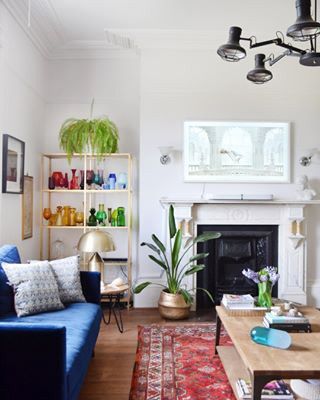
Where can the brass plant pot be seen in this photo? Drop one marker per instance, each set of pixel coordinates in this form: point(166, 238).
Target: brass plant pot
point(173, 306)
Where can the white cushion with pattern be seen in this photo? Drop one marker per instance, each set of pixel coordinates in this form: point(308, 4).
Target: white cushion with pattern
point(35, 288)
point(67, 274)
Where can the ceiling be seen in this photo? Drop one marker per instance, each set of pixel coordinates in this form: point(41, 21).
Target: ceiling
point(94, 28)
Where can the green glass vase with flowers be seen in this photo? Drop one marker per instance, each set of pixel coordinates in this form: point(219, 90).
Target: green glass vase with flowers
point(266, 278)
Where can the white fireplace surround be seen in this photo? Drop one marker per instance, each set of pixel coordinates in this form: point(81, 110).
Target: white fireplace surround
point(289, 215)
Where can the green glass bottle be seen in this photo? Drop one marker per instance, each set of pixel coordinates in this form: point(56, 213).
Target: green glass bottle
point(114, 217)
point(101, 215)
point(121, 219)
point(92, 221)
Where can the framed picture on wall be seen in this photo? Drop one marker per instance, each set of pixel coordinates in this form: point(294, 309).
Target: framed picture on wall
point(257, 152)
point(27, 208)
point(12, 164)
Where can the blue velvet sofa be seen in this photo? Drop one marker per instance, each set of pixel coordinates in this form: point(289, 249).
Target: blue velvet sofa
point(46, 356)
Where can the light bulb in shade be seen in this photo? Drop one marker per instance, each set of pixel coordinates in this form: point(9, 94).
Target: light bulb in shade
point(165, 152)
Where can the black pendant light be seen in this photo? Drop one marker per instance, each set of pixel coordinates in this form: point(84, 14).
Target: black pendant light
point(305, 29)
point(232, 51)
point(310, 59)
point(259, 74)
point(305, 26)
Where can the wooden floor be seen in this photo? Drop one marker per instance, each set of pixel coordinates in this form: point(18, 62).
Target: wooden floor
point(109, 375)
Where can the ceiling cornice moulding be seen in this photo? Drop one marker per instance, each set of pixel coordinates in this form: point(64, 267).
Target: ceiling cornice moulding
point(169, 38)
point(51, 38)
point(45, 31)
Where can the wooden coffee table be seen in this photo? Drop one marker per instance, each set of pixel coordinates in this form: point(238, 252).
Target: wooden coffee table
point(246, 359)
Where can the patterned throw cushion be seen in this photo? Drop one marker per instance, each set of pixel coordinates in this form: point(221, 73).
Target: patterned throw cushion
point(35, 288)
point(67, 274)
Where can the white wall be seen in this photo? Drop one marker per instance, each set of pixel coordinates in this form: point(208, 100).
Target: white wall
point(114, 84)
point(197, 85)
point(22, 74)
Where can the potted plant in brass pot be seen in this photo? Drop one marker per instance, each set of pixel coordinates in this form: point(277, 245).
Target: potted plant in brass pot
point(175, 299)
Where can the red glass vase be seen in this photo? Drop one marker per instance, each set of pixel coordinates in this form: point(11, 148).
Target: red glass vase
point(74, 183)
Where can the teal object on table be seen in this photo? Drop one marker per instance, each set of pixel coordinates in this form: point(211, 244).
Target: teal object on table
point(271, 337)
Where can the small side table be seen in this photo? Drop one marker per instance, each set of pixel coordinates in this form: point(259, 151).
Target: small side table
point(113, 295)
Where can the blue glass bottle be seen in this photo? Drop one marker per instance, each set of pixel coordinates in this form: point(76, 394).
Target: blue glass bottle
point(112, 181)
point(271, 337)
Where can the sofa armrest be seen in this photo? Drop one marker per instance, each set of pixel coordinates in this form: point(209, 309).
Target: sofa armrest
point(32, 361)
point(90, 282)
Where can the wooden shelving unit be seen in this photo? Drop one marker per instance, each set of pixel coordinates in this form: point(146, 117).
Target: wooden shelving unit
point(89, 197)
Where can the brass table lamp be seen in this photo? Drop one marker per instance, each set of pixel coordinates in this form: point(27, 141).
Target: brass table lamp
point(96, 241)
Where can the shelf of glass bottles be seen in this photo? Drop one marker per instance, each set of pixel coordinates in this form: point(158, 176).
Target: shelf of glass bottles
point(87, 191)
point(84, 227)
point(82, 219)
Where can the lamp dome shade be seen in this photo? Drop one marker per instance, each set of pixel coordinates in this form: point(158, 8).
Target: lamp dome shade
point(305, 26)
point(232, 51)
point(95, 241)
point(259, 74)
point(310, 59)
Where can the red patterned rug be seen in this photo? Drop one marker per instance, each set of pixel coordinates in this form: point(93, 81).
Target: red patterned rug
point(178, 363)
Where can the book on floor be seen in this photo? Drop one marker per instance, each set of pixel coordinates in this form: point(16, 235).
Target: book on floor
point(274, 390)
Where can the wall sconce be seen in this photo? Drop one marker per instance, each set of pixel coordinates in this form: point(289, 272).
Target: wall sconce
point(305, 161)
point(165, 152)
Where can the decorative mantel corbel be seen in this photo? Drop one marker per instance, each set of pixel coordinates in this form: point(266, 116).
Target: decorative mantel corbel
point(296, 237)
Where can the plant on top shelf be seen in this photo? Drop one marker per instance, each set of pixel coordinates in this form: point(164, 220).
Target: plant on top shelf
point(98, 136)
point(175, 299)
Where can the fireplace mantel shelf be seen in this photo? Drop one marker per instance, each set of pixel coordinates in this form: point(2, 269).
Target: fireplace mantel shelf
point(182, 201)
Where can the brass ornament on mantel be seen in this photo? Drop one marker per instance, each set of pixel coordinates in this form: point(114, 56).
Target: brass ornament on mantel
point(173, 306)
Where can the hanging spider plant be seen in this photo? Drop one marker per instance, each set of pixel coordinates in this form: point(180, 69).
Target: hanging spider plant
point(174, 264)
point(99, 136)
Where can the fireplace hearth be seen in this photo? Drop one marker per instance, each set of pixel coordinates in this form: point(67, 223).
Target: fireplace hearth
point(239, 247)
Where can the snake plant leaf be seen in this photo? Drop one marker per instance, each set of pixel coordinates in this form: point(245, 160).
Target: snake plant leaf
point(176, 248)
point(172, 222)
point(199, 256)
point(207, 292)
point(188, 242)
point(159, 262)
point(187, 296)
point(158, 243)
point(151, 246)
point(139, 288)
point(194, 268)
point(204, 237)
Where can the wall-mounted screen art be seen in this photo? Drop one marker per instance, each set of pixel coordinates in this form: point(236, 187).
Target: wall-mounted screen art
point(236, 152)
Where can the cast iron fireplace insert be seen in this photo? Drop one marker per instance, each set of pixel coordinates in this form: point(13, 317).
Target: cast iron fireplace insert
point(239, 247)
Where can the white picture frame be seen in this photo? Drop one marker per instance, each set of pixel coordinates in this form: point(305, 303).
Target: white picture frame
point(251, 152)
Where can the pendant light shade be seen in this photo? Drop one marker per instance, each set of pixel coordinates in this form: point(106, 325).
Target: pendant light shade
point(310, 59)
point(232, 51)
point(305, 26)
point(260, 74)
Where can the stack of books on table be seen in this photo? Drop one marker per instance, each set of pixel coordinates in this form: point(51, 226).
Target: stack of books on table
point(287, 323)
point(275, 390)
point(237, 301)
